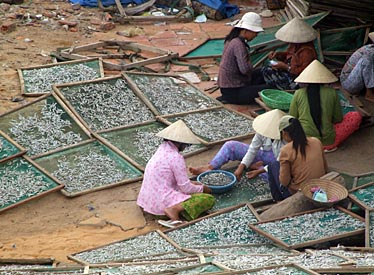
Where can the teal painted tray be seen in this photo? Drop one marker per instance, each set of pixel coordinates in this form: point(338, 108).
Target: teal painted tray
point(87, 167)
point(38, 80)
point(22, 180)
point(8, 148)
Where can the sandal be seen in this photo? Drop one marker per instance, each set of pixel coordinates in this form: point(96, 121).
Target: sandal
point(169, 223)
point(330, 150)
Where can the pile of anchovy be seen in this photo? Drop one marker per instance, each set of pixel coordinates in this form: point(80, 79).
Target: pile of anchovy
point(138, 247)
point(327, 223)
point(40, 80)
point(169, 97)
point(216, 125)
point(159, 268)
point(216, 179)
point(319, 259)
point(230, 228)
point(267, 249)
point(44, 131)
point(146, 143)
point(365, 195)
point(361, 258)
point(283, 270)
point(89, 170)
point(255, 190)
point(19, 180)
point(240, 262)
point(107, 104)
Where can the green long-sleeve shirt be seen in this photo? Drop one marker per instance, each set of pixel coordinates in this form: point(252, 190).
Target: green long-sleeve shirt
point(331, 113)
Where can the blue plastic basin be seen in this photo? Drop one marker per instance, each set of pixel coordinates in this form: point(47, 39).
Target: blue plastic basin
point(219, 189)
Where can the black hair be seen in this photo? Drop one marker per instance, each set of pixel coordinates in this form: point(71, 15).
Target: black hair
point(180, 145)
point(314, 100)
point(234, 33)
point(297, 134)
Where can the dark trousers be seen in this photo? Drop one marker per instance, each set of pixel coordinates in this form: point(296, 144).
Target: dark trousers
point(278, 191)
point(246, 94)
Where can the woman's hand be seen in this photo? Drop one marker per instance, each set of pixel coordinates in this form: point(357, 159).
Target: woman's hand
point(239, 172)
point(196, 182)
point(272, 55)
point(207, 190)
point(254, 173)
point(280, 66)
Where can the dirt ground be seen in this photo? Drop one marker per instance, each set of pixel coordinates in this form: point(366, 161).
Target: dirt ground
point(55, 226)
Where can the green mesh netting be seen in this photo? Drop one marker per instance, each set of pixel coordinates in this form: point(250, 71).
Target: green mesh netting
point(20, 180)
point(217, 125)
point(106, 104)
point(245, 191)
point(331, 223)
point(346, 39)
point(362, 180)
point(140, 142)
point(40, 79)
point(42, 126)
point(7, 149)
point(279, 270)
point(169, 95)
point(215, 46)
point(365, 195)
point(87, 167)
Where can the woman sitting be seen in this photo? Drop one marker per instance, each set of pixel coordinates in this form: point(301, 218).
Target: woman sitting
point(286, 66)
point(300, 159)
point(239, 82)
point(318, 108)
point(358, 72)
point(264, 148)
point(166, 188)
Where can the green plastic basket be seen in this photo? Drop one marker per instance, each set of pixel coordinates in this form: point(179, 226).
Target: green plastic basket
point(276, 99)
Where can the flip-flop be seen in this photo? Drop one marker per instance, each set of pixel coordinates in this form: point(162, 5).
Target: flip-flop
point(170, 223)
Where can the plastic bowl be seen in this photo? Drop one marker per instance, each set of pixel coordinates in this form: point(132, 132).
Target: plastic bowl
point(221, 188)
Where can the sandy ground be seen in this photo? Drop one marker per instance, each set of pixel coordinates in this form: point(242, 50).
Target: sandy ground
point(55, 226)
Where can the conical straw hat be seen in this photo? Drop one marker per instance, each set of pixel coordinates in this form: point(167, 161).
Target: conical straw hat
point(316, 72)
point(267, 124)
point(296, 31)
point(178, 131)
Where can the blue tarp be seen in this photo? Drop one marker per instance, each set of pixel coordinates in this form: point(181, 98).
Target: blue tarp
point(93, 3)
point(226, 9)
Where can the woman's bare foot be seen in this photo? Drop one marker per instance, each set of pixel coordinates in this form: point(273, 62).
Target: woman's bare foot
point(173, 211)
point(201, 169)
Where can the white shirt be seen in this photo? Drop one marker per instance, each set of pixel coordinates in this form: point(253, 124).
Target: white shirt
point(264, 143)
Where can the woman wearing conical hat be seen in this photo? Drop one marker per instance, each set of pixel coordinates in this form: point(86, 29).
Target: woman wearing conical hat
point(301, 159)
point(286, 66)
point(264, 148)
point(166, 188)
point(318, 108)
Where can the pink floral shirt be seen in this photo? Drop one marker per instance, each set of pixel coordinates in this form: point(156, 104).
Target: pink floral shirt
point(165, 181)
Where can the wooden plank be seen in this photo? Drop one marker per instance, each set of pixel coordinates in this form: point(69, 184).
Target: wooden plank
point(36, 261)
point(120, 8)
point(299, 10)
